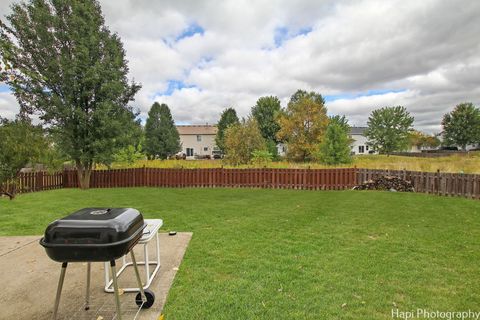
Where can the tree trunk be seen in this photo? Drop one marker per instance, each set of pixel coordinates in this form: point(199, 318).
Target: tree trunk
point(83, 173)
point(10, 195)
point(9, 188)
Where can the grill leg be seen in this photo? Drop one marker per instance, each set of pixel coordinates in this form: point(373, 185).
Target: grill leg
point(158, 249)
point(59, 290)
point(87, 293)
point(115, 288)
point(147, 266)
point(137, 274)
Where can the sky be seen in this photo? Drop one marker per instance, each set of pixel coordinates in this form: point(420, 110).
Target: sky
point(200, 57)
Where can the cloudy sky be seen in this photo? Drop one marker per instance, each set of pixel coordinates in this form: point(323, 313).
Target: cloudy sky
point(202, 56)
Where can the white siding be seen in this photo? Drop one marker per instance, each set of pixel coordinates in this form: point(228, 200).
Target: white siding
point(281, 149)
point(190, 141)
point(359, 144)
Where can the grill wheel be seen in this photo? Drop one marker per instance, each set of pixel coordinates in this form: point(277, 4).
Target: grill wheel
point(150, 299)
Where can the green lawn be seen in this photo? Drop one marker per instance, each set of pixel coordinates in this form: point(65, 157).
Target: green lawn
point(286, 254)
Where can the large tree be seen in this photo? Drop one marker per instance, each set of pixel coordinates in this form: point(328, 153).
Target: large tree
point(462, 126)
point(388, 129)
point(336, 146)
point(161, 135)
point(242, 140)
point(227, 118)
point(20, 143)
point(301, 94)
point(64, 64)
point(266, 111)
point(302, 125)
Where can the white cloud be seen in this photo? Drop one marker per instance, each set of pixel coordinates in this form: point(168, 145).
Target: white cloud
point(426, 52)
point(8, 105)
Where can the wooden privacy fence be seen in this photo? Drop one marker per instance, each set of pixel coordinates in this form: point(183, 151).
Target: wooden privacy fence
point(35, 181)
point(317, 179)
point(445, 184)
point(440, 183)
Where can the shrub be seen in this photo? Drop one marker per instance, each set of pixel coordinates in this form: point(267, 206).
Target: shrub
point(261, 158)
point(335, 148)
point(241, 141)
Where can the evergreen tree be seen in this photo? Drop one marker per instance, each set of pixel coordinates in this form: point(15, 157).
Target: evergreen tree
point(161, 135)
point(227, 118)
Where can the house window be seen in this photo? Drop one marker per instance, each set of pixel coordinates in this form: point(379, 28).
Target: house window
point(361, 149)
point(205, 149)
point(189, 152)
point(366, 148)
point(199, 138)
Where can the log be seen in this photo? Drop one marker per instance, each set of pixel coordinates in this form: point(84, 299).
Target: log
point(386, 182)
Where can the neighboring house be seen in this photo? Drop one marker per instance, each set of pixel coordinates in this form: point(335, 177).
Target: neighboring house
point(197, 140)
point(468, 147)
point(358, 146)
point(414, 149)
point(359, 143)
point(281, 149)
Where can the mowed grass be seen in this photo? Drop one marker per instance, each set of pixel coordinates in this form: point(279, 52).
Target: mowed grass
point(459, 163)
point(288, 254)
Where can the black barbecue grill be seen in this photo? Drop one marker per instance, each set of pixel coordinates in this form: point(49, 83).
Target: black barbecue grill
point(96, 234)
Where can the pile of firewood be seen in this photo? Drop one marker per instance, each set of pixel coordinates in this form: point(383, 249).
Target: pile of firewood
point(390, 183)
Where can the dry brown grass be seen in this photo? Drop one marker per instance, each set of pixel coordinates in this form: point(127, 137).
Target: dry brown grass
point(465, 163)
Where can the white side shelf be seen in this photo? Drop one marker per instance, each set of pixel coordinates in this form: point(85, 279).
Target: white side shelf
point(150, 232)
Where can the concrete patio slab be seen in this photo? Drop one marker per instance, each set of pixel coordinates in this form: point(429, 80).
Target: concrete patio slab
point(29, 281)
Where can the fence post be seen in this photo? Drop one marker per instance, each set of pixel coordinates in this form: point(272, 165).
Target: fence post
point(39, 181)
point(64, 178)
point(356, 174)
point(144, 176)
point(222, 177)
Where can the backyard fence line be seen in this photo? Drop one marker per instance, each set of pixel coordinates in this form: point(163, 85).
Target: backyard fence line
point(444, 184)
point(315, 179)
point(429, 154)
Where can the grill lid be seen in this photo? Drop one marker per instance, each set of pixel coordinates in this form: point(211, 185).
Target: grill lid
point(93, 234)
point(94, 225)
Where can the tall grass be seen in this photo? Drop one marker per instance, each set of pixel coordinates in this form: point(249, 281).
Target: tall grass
point(458, 163)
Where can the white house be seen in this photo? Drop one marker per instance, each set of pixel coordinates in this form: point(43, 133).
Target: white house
point(197, 140)
point(359, 144)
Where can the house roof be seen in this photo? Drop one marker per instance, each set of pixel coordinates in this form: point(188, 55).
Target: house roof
point(358, 130)
point(197, 129)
